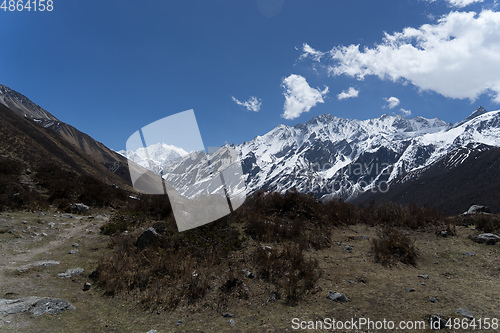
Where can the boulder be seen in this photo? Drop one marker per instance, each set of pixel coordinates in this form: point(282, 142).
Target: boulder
point(488, 239)
point(35, 305)
point(477, 209)
point(148, 238)
point(84, 209)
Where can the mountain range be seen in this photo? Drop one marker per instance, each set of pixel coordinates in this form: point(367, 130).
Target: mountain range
point(423, 161)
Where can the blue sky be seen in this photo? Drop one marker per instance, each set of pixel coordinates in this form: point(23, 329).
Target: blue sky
point(111, 67)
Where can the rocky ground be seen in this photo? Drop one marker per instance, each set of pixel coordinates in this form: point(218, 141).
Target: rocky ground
point(45, 260)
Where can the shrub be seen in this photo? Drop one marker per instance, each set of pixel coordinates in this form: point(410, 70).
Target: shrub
point(393, 246)
point(288, 270)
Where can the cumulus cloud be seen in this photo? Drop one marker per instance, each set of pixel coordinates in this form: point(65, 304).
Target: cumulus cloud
point(458, 57)
point(460, 3)
point(252, 104)
point(405, 113)
point(299, 96)
point(349, 93)
point(392, 102)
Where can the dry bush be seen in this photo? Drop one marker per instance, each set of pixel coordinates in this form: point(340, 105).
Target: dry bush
point(393, 246)
point(487, 223)
point(288, 270)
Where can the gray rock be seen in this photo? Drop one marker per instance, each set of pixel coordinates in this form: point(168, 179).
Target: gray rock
point(75, 245)
point(46, 263)
point(227, 315)
point(231, 322)
point(70, 272)
point(488, 239)
point(86, 286)
point(80, 207)
point(437, 323)
point(470, 254)
point(67, 216)
point(476, 209)
point(248, 274)
point(152, 331)
point(433, 300)
point(409, 290)
point(179, 322)
point(51, 224)
point(148, 238)
point(336, 297)
point(35, 305)
point(72, 251)
point(425, 277)
point(348, 248)
point(365, 237)
point(464, 313)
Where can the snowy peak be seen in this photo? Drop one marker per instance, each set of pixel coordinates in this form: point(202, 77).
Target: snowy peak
point(477, 112)
point(154, 157)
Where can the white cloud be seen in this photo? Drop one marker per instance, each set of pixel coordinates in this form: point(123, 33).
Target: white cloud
point(458, 57)
point(392, 102)
point(460, 3)
point(308, 51)
point(252, 104)
point(405, 113)
point(299, 96)
point(350, 93)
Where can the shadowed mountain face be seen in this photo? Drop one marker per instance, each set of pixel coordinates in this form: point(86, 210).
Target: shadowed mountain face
point(25, 108)
point(24, 140)
point(469, 175)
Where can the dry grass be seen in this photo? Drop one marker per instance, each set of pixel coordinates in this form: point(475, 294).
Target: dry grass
point(393, 246)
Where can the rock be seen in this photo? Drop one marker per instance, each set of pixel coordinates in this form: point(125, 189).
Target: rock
point(28, 171)
point(179, 322)
point(267, 248)
point(24, 222)
point(72, 251)
point(348, 248)
point(336, 297)
point(46, 263)
point(86, 286)
point(464, 313)
point(443, 233)
point(231, 322)
point(362, 280)
point(470, 254)
point(248, 274)
point(477, 209)
point(365, 237)
point(148, 238)
point(433, 300)
point(70, 272)
point(488, 239)
point(410, 290)
point(436, 322)
point(227, 315)
point(351, 282)
point(80, 207)
point(44, 234)
point(35, 305)
point(67, 216)
point(274, 296)
point(51, 224)
point(425, 277)
point(153, 331)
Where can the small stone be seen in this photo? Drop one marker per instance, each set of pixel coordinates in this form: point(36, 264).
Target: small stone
point(179, 322)
point(231, 322)
point(51, 224)
point(152, 331)
point(86, 286)
point(365, 237)
point(227, 315)
point(70, 272)
point(470, 254)
point(465, 313)
point(425, 277)
point(248, 274)
point(410, 290)
point(75, 245)
point(44, 234)
point(351, 282)
point(24, 222)
point(433, 300)
point(362, 280)
point(336, 297)
point(72, 251)
point(348, 248)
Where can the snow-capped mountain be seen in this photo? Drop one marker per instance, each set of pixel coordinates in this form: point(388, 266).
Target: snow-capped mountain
point(154, 157)
point(336, 157)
